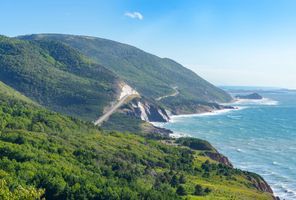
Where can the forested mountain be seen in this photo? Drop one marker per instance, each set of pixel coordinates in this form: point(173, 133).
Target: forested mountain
point(44, 154)
point(57, 76)
point(152, 76)
point(80, 76)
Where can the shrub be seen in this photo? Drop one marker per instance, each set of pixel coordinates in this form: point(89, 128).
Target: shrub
point(181, 190)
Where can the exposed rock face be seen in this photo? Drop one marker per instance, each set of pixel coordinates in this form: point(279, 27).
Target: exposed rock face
point(145, 110)
point(254, 96)
point(260, 183)
point(156, 131)
point(126, 90)
point(219, 158)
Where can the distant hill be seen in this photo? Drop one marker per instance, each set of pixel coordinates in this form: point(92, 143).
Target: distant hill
point(57, 77)
point(255, 96)
point(152, 76)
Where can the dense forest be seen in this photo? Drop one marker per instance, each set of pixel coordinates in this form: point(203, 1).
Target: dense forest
point(44, 154)
point(57, 77)
point(49, 148)
point(150, 75)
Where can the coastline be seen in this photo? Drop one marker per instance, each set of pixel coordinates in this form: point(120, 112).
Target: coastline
point(263, 101)
point(235, 105)
point(173, 118)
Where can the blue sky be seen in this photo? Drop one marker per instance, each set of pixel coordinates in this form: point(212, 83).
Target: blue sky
point(228, 42)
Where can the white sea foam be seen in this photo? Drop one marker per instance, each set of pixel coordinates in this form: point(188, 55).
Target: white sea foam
point(255, 145)
point(284, 192)
point(158, 124)
point(275, 163)
point(215, 112)
point(238, 150)
point(235, 117)
point(290, 192)
point(239, 104)
point(178, 135)
point(264, 101)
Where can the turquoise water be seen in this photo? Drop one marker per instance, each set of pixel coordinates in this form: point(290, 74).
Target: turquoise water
point(259, 137)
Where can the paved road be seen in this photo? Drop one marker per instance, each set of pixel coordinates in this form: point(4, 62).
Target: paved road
point(126, 99)
point(123, 100)
point(175, 93)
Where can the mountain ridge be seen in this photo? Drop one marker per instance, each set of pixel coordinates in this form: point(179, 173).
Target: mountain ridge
point(152, 76)
point(67, 86)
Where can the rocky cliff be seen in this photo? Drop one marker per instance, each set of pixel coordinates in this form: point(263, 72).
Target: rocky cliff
point(145, 110)
point(260, 184)
point(208, 150)
point(219, 158)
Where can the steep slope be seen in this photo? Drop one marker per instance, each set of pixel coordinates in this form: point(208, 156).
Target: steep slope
point(126, 95)
point(45, 154)
point(57, 76)
point(152, 76)
point(9, 92)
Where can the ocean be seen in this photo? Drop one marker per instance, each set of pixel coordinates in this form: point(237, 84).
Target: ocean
point(259, 137)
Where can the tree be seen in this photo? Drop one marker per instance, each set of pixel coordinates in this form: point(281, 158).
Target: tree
point(198, 190)
point(174, 181)
point(208, 190)
point(181, 190)
point(19, 192)
point(182, 179)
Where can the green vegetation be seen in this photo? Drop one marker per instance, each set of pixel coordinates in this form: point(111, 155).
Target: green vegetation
point(11, 93)
point(47, 155)
point(195, 143)
point(18, 193)
point(56, 76)
point(121, 122)
point(183, 105)
point(150, 75)
point(200, 191)
point(124, 123)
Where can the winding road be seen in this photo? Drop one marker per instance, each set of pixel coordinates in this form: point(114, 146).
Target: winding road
point(129, 95)
point(175, 93)
point(126, 98)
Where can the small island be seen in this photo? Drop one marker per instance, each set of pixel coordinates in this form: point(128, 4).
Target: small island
point(254, 96)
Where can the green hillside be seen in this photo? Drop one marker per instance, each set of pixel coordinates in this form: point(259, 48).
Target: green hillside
point(152, 76)
point(57, 76)
point(7, 91)
point(45, 154)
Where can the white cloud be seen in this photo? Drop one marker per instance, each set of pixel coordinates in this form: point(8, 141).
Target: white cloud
point(134, 15)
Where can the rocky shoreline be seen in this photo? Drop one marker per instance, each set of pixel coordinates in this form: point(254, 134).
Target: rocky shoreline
point(258, 182)
point(151, 112)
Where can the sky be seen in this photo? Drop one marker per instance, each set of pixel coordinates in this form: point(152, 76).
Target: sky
point(227, 42)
